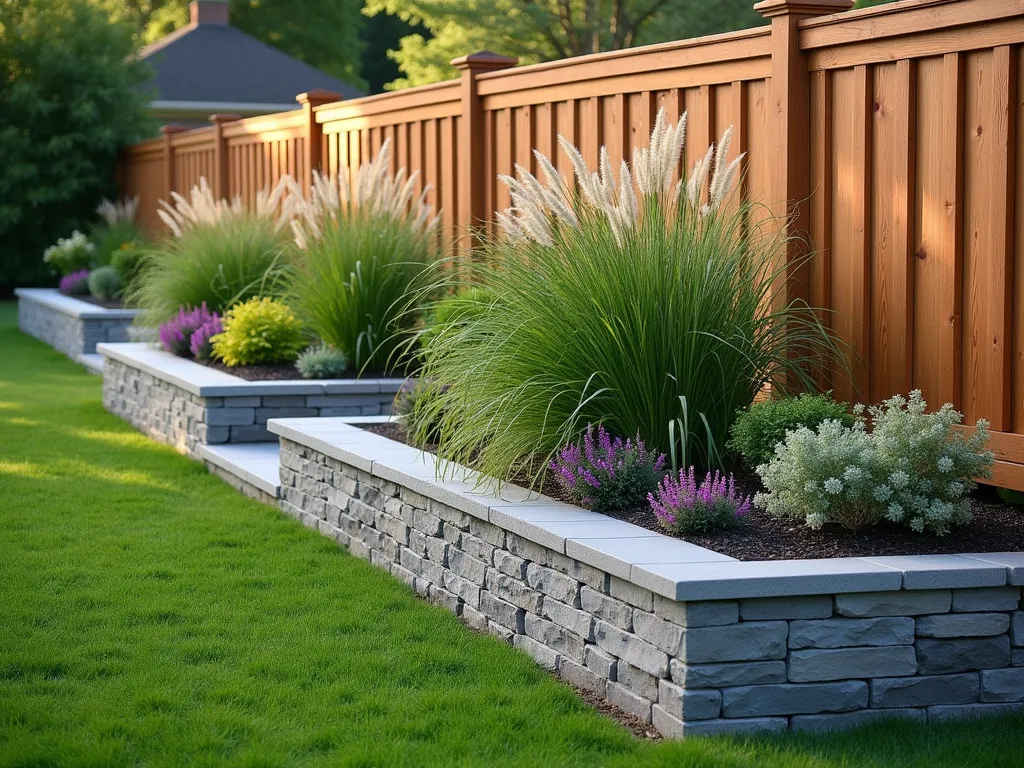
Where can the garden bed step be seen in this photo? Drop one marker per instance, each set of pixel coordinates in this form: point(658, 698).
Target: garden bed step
point(256, 464)
point(93, 363)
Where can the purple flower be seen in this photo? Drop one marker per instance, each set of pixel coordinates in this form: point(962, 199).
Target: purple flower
point(606, 474)
point(199, 343)
point(176, 334)
point(75, 284)
point(683, 506)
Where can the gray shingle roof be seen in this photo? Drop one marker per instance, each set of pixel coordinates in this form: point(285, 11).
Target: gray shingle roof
point(221, 64)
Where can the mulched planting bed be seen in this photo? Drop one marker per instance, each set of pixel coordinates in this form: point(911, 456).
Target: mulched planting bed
point(284, 372)
point(112, 304)
point(996, 527)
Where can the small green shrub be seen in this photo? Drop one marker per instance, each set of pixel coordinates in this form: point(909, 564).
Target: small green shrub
point(104, 283)
point(71, 254)
point(913, 468)
point(259, 331)
point(322, 362)
point(111, 238)
point(128, 261)
point(758, 429)
point(461, 307)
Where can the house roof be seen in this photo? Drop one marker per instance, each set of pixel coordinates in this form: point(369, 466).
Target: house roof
point(220, 64)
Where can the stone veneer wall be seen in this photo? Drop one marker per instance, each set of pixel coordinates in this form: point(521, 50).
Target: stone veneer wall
point(174, 416)
point(735, 666)
point(66, 333)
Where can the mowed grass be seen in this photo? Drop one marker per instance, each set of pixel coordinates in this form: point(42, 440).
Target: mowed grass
point(149, 615)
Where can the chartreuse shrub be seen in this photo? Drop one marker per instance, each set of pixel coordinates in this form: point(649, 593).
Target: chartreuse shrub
point(615, 303)
point(362, 250)
point(608, 475)
point(760, 427)
point(218, 253)
point(912, 468)
point(259, 332)
point(104, 283)
point(322, 362)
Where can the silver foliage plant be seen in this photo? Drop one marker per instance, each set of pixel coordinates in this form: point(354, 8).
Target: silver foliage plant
point(202, 206)
point(536, 206)
point(913, 468)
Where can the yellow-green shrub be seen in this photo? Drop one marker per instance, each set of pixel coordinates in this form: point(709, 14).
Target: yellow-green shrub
point(259, 332)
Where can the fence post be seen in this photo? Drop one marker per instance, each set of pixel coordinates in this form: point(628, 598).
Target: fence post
point(220, 154)
point(314, 134)
point(472, 174)
point(789, 128)
point(168, 131)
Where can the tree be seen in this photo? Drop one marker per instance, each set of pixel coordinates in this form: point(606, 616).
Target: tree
point(322, 33)
point(542, 30)
point(71, 96)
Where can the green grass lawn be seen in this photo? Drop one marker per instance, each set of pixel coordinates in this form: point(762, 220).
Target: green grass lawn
point(150, 615)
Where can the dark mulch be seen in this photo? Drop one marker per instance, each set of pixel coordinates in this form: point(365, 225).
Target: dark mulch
point(996, 527)
point(279, 372)
point(112, 304)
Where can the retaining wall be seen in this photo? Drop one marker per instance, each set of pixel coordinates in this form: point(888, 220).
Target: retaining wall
point(70, 325)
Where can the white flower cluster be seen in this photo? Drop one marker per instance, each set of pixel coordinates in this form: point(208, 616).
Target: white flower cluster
point(376, 190)
point(68, 245)
point(202, 207)
point(115, 212)
point(537, 208)
point(913, 468)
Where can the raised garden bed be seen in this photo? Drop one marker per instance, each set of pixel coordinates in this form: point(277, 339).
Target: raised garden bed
point(71, 325)
point(187, 405)
point(675, 634)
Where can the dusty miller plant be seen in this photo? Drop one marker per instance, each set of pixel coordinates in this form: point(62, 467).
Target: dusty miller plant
point(913, 468)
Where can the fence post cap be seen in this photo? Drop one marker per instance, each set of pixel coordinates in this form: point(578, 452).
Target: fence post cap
point(222, 118)
point(769, 8)
point(484, 60)
point(170, 128)
point(318, 96)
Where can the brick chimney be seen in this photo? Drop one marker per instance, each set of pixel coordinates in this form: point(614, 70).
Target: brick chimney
point(209, 12)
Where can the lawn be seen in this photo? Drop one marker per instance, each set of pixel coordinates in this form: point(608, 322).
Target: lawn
point(150, 615)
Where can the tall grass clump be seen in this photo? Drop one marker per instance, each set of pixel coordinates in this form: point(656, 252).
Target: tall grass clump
point(218, 253)
point(362, 249)
point(621, 304)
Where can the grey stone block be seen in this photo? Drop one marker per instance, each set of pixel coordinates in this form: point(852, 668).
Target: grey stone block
point(338, 410)
point(442, 597)
point(844, 663)
point(658, 632)
point(689, 705)
point(786, 699)
point(576, 621)
point(553, 583)
point(727, 675)
point(513, 591)
point(630, 593)
point(631, 649)
point(924, 691)
point(465, 566)
point(844, 633)
point(1017, 657)
point(254, 433)
point(629, 702)
point(1002, 685)
point(821, 723)
point(1017, 628)
point(607, 608)
point(554, 637)
point(509, 564)
point(502, 612)
point(772, 608)
point(986, 599)
point(213, 435)
point(674, 728)
point(753, 641)
point(638, 681)
point(242, 402)
point(948, 656)
point(942, 713)
point(963, 625)
point(603, 664)
point(901, 603)
point(263, 414)
point(283, 401)
point(473, 618)
point(582, 677)
point(543, 655)
point(697, 614)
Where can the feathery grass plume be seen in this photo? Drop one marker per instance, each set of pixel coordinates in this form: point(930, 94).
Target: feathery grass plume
point(118, 211)
point(363, 245)
point(614, 302)
point(202, 206)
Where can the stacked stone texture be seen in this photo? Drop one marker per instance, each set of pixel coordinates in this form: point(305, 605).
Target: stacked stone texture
point(733, 666)
point(66, 333)
point(174, 416)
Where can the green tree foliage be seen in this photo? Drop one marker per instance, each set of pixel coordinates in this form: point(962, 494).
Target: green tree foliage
point(322, 33)
point(70, 96)
point(542, 30)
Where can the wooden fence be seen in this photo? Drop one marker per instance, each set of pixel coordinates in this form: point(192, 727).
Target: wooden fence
point(889, 135)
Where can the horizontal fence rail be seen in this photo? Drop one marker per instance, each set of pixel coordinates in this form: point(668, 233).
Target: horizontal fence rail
point(886, 139)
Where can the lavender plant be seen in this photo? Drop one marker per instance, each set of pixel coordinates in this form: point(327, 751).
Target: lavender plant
point(75, 284)
point(200, 343)
point(682, 506)
point(176, 333)
point(608, 475)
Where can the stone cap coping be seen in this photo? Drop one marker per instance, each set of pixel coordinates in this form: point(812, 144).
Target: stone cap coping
point(668, 566)
point(209, 382)
point(69, 305)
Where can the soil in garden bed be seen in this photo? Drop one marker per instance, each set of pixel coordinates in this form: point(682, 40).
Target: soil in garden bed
point(111, 304)
point(285, 372)
point(996, 527)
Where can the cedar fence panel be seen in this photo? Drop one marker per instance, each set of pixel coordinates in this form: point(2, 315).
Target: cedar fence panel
point(887, 139)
